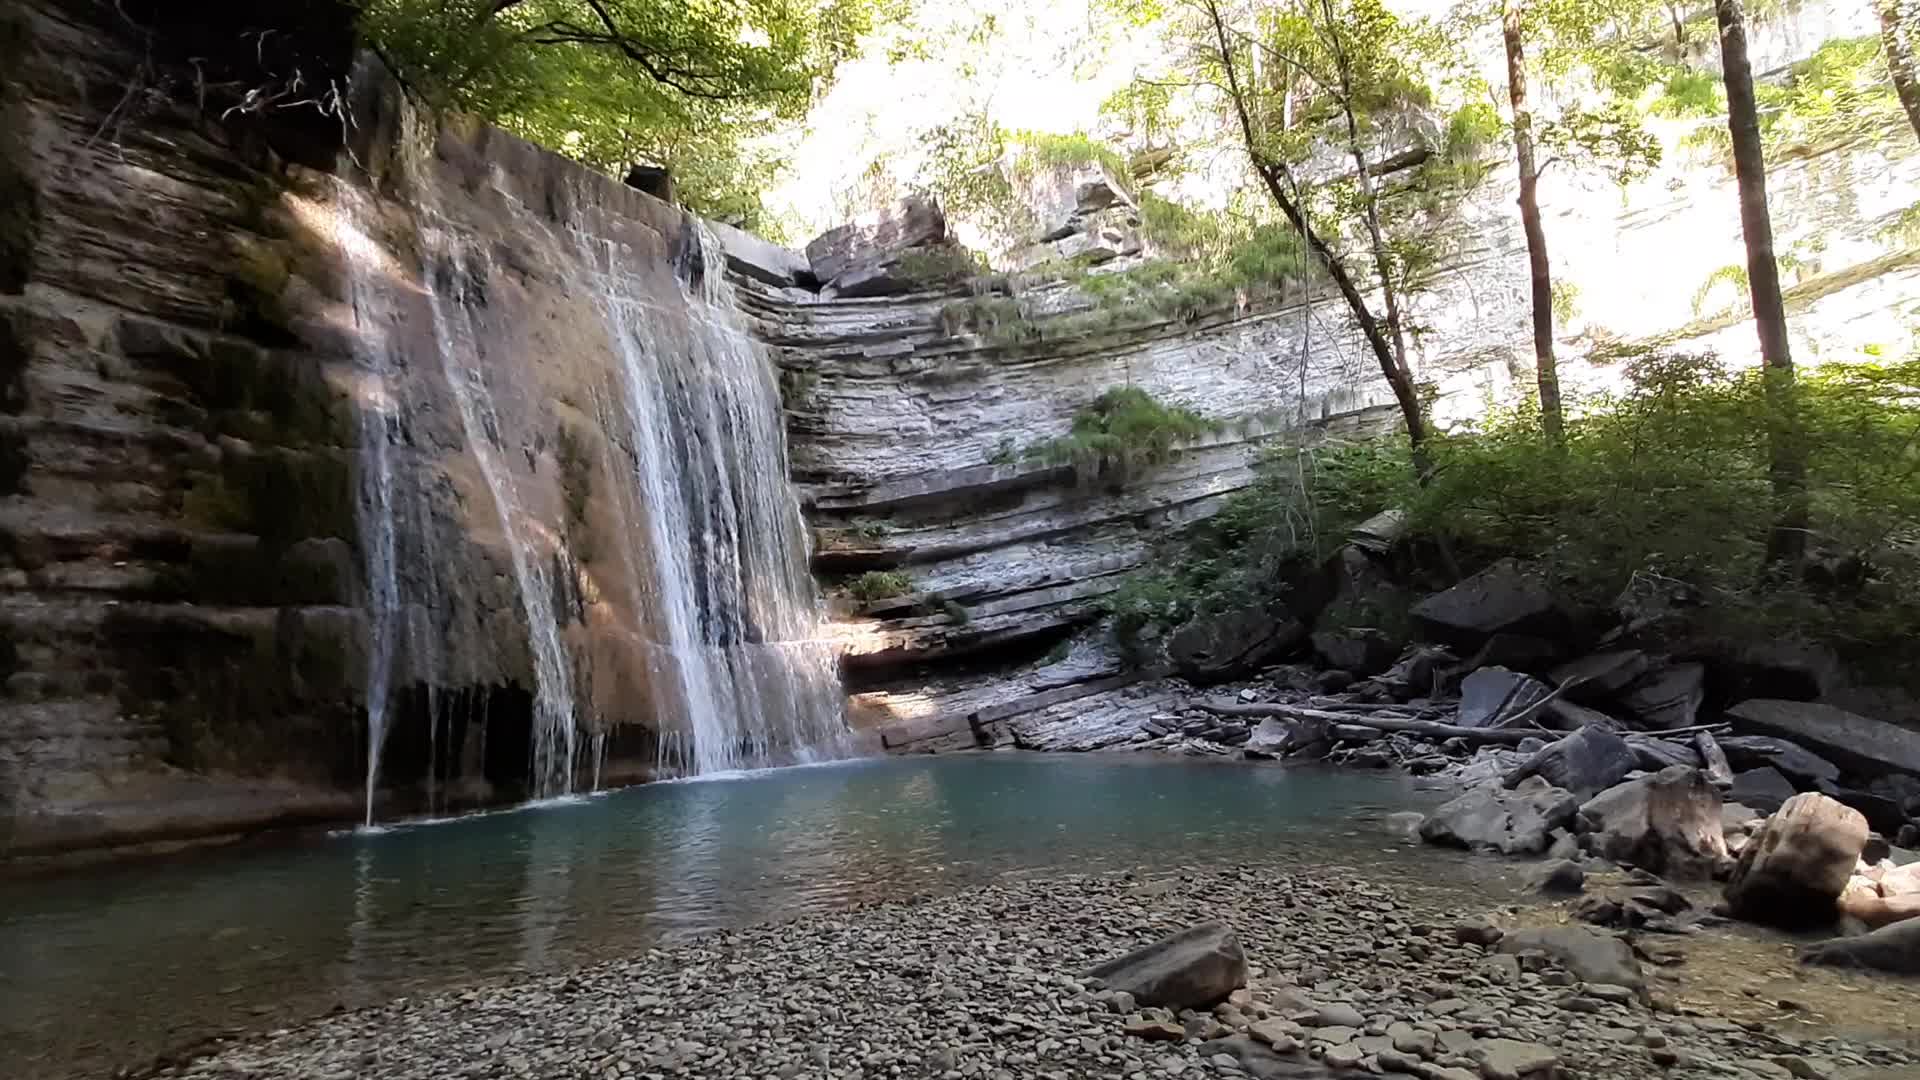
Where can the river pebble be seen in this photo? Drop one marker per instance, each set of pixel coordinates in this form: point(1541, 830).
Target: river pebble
point(1347, 974)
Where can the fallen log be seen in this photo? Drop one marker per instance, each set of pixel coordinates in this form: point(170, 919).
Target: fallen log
point(1431, 729)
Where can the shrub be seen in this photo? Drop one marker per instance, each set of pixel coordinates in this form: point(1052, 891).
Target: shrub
point(879, 585)
point(1669, 478)
point(1125, 427)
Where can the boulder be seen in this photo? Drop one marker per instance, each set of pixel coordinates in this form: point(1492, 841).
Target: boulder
point(1505, 596)
point(1719, 770)
point(766, 262)
point(1894, 948)
point(1557, 876)
point(1872, 746)
point(1213, 648)
point(1667, 698)
point(1194, 969)
point(1804, 767)
point(1364, 651)
point(1563, 715)
point(1874, 910)
point(862, 257)
point(1793, 870)
point(1420, 670)
point(1883, 814)
point(1589, 954)
point(1597, 678)
point(1510, 822)
point(1586, 763)
point(1496, 697)
point(1522, 652)
point(1655, 754)
point(1668, 823)
point(1901, 788)
point(1762, 789)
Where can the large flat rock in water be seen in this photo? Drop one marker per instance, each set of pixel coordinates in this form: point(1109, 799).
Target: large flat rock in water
point(1844, 736)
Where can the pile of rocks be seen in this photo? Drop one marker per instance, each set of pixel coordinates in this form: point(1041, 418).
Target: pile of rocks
point(1287, 976)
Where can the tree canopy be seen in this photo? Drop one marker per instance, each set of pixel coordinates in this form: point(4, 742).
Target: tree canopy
point(684, 84)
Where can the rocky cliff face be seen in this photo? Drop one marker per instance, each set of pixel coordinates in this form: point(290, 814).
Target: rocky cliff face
point(425, 440)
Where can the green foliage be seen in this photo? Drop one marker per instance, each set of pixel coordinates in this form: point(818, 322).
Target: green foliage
point(1840, 94)
point(942, 267)
point(879, 585)
point(1667, 482)
point(1690, 92)
point(1123, 429)
point(1039, 150)
point(1299, 509)
point(1566, 300)
point(1735, 275)
point(612, 82)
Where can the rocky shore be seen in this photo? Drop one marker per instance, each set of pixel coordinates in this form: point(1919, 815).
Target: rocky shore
point(1291, 976)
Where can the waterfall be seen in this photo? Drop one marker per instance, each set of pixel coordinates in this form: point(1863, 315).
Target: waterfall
point(735, 616)
point(692, 610)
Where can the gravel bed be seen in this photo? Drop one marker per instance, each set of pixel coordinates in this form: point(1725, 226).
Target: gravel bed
point(1349, 978)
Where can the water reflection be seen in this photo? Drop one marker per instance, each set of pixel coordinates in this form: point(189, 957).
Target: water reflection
point(105, 968)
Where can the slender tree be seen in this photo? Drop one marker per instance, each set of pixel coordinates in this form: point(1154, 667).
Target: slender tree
point(1787, 543)
point(1897, 31)
point(1540, 271)
point(1385, 333)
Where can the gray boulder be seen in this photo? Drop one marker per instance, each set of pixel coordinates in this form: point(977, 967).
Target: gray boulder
point(1668, 823)
point(1194, 969)
point(1362, 650)
point(1586, 763)
point(1509, 822)
point(1798, 764)
point(1593, 956)
point(1212, 648)
point(1793, 870)
point(1495, 697)
point(1669, 697)
point(1557, 876)
point(1763, 789)
point(1719, 770)
point(1655, 754)
point(863, 257)
point(1894, 948)
point(1872, 746)
point(1505, 596)
point(1602, 675)
point(761, 260)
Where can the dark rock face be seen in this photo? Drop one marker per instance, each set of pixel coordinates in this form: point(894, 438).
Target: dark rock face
point(1215, 647)
point(1668, 823)
point(1793, 870)
point(1509, 822)
point(1585, 763)
point(1669, 697)
point(1193, 969)
point(1495, 697)
point(1763, 789)
point(1791, 760)
point(1503, 597)
point(1872, 745)
point(862, 258)
point(1599, 677)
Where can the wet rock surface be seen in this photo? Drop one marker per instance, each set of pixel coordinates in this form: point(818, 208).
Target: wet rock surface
point(1343, 975)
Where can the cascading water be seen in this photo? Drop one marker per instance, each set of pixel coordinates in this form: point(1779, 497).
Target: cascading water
point(735, 617)
point(681, 599)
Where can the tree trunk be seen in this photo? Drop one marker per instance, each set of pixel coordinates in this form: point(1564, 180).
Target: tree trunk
point(1787, 543)
point(1278, 183)
point(1552, 418)
point(1896, 31)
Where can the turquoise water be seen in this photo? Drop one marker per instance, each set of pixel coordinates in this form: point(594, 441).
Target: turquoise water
point(108, 967)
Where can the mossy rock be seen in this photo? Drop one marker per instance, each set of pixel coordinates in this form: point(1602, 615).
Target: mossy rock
point(256, 291)
point(281, 496)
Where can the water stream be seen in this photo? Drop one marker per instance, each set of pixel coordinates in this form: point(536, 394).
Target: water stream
point(714, 646)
